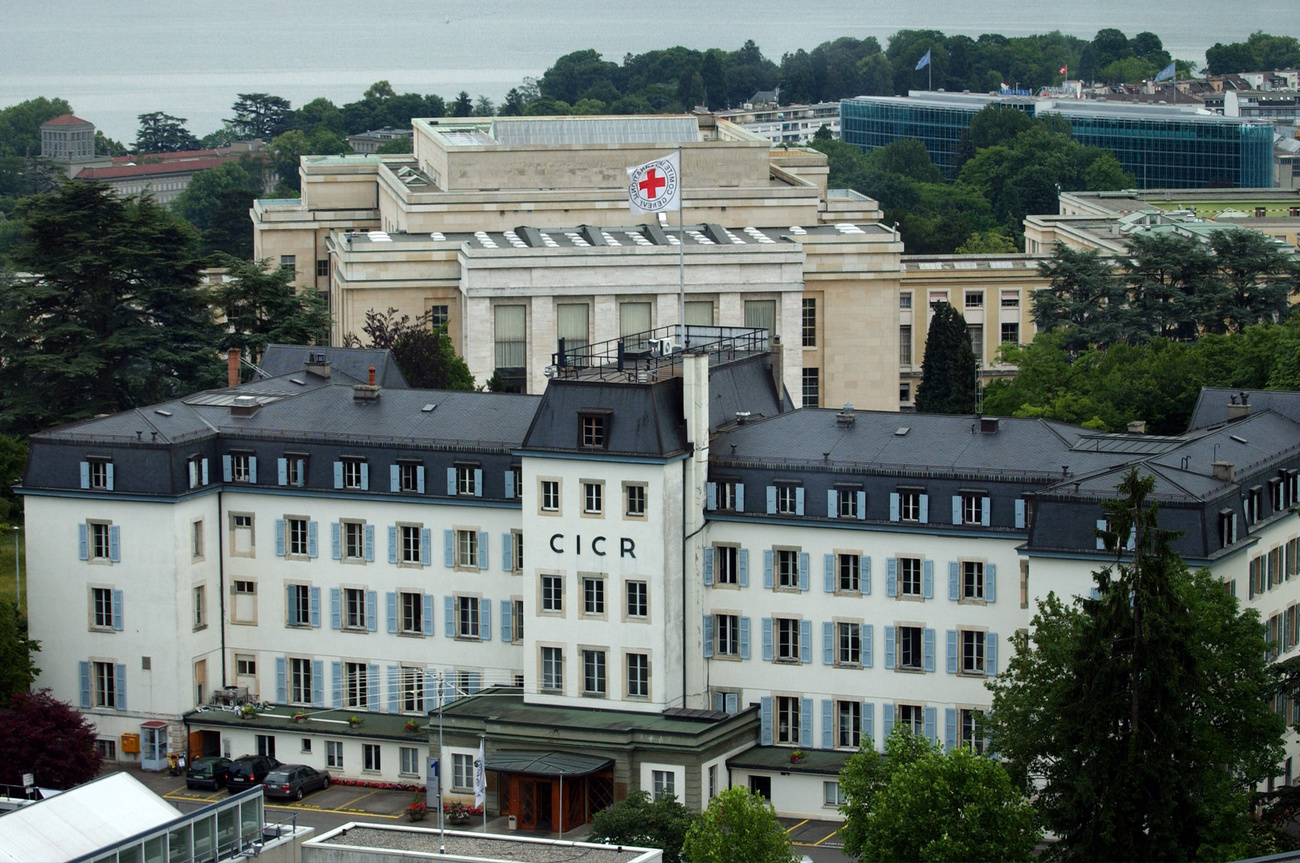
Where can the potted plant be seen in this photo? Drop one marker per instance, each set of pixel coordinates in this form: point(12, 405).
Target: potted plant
point(300, 717)
point(796, 756)
point(412, 726)
point(355, 721)
point(247, 711)
point(456, 813)
point(418, 809)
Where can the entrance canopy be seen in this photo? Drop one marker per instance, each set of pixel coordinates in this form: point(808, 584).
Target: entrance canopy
point(532, 763)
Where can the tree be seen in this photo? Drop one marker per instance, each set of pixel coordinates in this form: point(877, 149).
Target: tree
point(463, 106)
point(738, 824)
point(17, 669)
point(20, 125)
point(262, 308)
point(114, 317)
point(1142, 716)
point(47, 738)
point(1083, 296)
point(163, 133)
point(259, 115)
point(288, 149)
point(997, 124)
point(917, 802)
point(217, 201)
point(987, 243)
point(13, 460)
point(637, 821)
point(425, 355)
point(106, 146)
point(948, 369)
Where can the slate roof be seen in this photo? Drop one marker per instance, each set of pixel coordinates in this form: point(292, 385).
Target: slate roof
point(645, 419)
point(743, 386)
point(354, 363)
point(1213, 402)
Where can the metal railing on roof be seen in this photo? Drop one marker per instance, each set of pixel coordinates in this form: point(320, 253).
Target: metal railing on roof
point(653, 354)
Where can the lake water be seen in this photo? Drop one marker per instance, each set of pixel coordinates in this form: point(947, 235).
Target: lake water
point(114, 60)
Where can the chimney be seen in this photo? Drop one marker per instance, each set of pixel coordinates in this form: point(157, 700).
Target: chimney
point(1137, 427)
point(1223, 470)
point(774, 352)
point(1238, 406)
point(232, 367)
point(988, 425)
point(318, 364)
point(366, 392)
point(845, 417)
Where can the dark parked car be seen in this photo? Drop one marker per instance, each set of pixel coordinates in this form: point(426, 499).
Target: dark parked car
point(247, 771)
point(292, 780)
point(209, 771)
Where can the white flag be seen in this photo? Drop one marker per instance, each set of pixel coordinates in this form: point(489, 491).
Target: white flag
point(480, 778)
point(655, 187)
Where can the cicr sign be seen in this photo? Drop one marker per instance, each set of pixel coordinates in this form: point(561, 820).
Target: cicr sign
point(626, 546)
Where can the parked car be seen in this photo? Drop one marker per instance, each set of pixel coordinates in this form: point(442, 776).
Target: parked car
point(293, 780)
point(247, 771)
point(209, 771)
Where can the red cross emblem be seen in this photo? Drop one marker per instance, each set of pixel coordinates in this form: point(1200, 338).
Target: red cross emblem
point(654, 186)
point(652, 183)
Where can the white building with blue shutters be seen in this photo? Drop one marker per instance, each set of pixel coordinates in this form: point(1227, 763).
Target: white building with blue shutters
point(679, 578)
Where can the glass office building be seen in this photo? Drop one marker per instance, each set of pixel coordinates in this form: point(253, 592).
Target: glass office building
point(1162, 146)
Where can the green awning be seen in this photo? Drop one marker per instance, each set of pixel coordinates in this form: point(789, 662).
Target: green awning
point(552, 763)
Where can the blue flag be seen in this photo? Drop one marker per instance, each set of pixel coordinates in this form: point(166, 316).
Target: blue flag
point(924, 61)
point(1165, 74)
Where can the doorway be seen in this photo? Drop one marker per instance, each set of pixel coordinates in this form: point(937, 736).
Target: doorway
point(761, 785)
point(535, 804)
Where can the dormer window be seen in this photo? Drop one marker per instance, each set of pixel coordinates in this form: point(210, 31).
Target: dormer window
point(97, 473)
point(594, 429)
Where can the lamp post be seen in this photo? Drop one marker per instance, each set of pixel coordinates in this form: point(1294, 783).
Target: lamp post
point(18, 585)
point(442, 830)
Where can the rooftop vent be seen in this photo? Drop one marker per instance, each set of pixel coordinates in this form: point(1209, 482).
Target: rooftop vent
point(988, 425)
point(318, 364)
point(366, 392)
point(1137, 427)
point(742, 417)
point(1223, 470)
point(1238, 405)
point(845, 417)
point(244, 406)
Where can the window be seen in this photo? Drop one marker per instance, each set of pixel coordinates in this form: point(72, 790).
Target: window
point(412, 693)
point(370, 757)
point(909, 648)
point(664, 782)
point(634, 319)
point(848, 724)
point(354, 608)
point(905, 345)
point(98, 473)
point(976, 333)
point(593, 498)
point(354, 541)
point(972, 652)
point(322, 268)
point(724, 564)
point(1227, 527)
point(787, 719)
point(104, 683)
point(1254, 504)
point(848, 644)
point(196, 540)
point(909, 505)
point(295, 470)
point(727, 629)
point(517, 620)
point(552, 668)
point(353, 473)
point(787, 639)
point(101, 608)
point(831, 794)
point(198, 471)
point(909, 576)
point(905, 300)
point(972, 731)
point(849, 569)
point(553, 593)
point(241, 467)
point(812, 388)
point(974, 299)
point(438, 316)
point(516, 562)
point(288, 262)
point(465, 479)
point(107, 749)
point(266, 745)
point(904, 393)
point(409, 476)
point(787, 568)
point(334, 753)
point(972, 580)
point(411, 761)
point(241, 534)
point(510, 337)
point(298, 605)
point(593, 596)
point(638, 675)
point(638, 604)
point(594, 431)
point(550, 495)
point(730, 495)
point(787, 499)
point(356, 690)
point(245, 665)
point(467, 621)
point(462, 771)
point(911, 717)
point(972, 508)
point(410, 548)
point(761, 314)
point(296, 532)
point(809, 323)
point(634, 501)
point(593, 672)
point(1010, 333)
point(1010, 299)
point(101, 545)
point(846, 502)
point(411, 609)
point(200, 608)
point(699, 313)
point(467, 549)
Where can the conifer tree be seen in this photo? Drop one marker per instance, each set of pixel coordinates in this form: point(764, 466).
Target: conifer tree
point(948, 370)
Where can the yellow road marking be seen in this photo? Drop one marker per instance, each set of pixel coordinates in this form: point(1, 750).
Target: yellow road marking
point(356, 800)
point(794, 827)
point(824, 838)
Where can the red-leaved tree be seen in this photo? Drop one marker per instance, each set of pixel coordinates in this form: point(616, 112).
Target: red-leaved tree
point(47, 738)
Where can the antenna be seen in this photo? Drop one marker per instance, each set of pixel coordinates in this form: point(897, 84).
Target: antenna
point(979, 389)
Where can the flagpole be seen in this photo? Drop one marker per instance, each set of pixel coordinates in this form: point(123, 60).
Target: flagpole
point(681, 248)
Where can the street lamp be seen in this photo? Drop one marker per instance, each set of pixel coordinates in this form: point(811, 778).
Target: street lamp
point(442, 830)
point(18, 585)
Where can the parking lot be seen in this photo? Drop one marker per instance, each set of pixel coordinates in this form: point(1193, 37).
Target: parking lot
point(338, 799)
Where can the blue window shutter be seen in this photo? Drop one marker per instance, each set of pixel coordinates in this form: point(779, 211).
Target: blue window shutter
point(744, 638)
point(338, 474)
point(927, 579)
point(390, 600)
point(114, 543)
point(281, 678)
point(336, 540)
point(427, 621)
point(282, 471)
point(394, 477)
point(864, 574)
point(832, 503)
point(108, 476)
point(394, 698)
point(828, 575)
point(891, 576)
point(798, 501)
point(372, 689)
point(392, 543)
point(869, 723)
point(430, 689)
point(279, 537)
point(1101, 542)
point(990, 653)
point(370, 543)
point(886, 723)
point(365, 476)
point(893, 506)
point(507, 620)
point(828, 643)
point(203, 471)
point(765, 720)
point(990, 582)
point(83, 541)
point(925, 509)
point(889, 647)
point(804, 565)
point(318, 682)
point(83, 669)
point(806, 722)
point(1020, 513)
point(85, 483)
point(931, 715)
point(986, 511)
point(950, 728)
point(485, 619)
point(828, 724)
point(805, 641)
point(708, 566)
point(449, 616)
point(419, 479)
point(227, 470)
point(478, 482)
point(252, 469)
point(448, 548)
point(867, 635)
point(862, 506)
point(708, 636)
point(771, 500)
point(927, 649)
point(314, 606)
point(312, 538)
point(472, 684)
point(119, 691)
point(119, 611)
point(426, 546)
point(956, 509)
point(449, 693)
point(507, 552)
point(711, 494)
point(510, 485)
point(742, 564)
point(768, 558)
point(740, 497)
point(451, 481)
point(483, 539)
point(954, 580)
point(767, 639)
point(952, 651)
point(336, 608)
